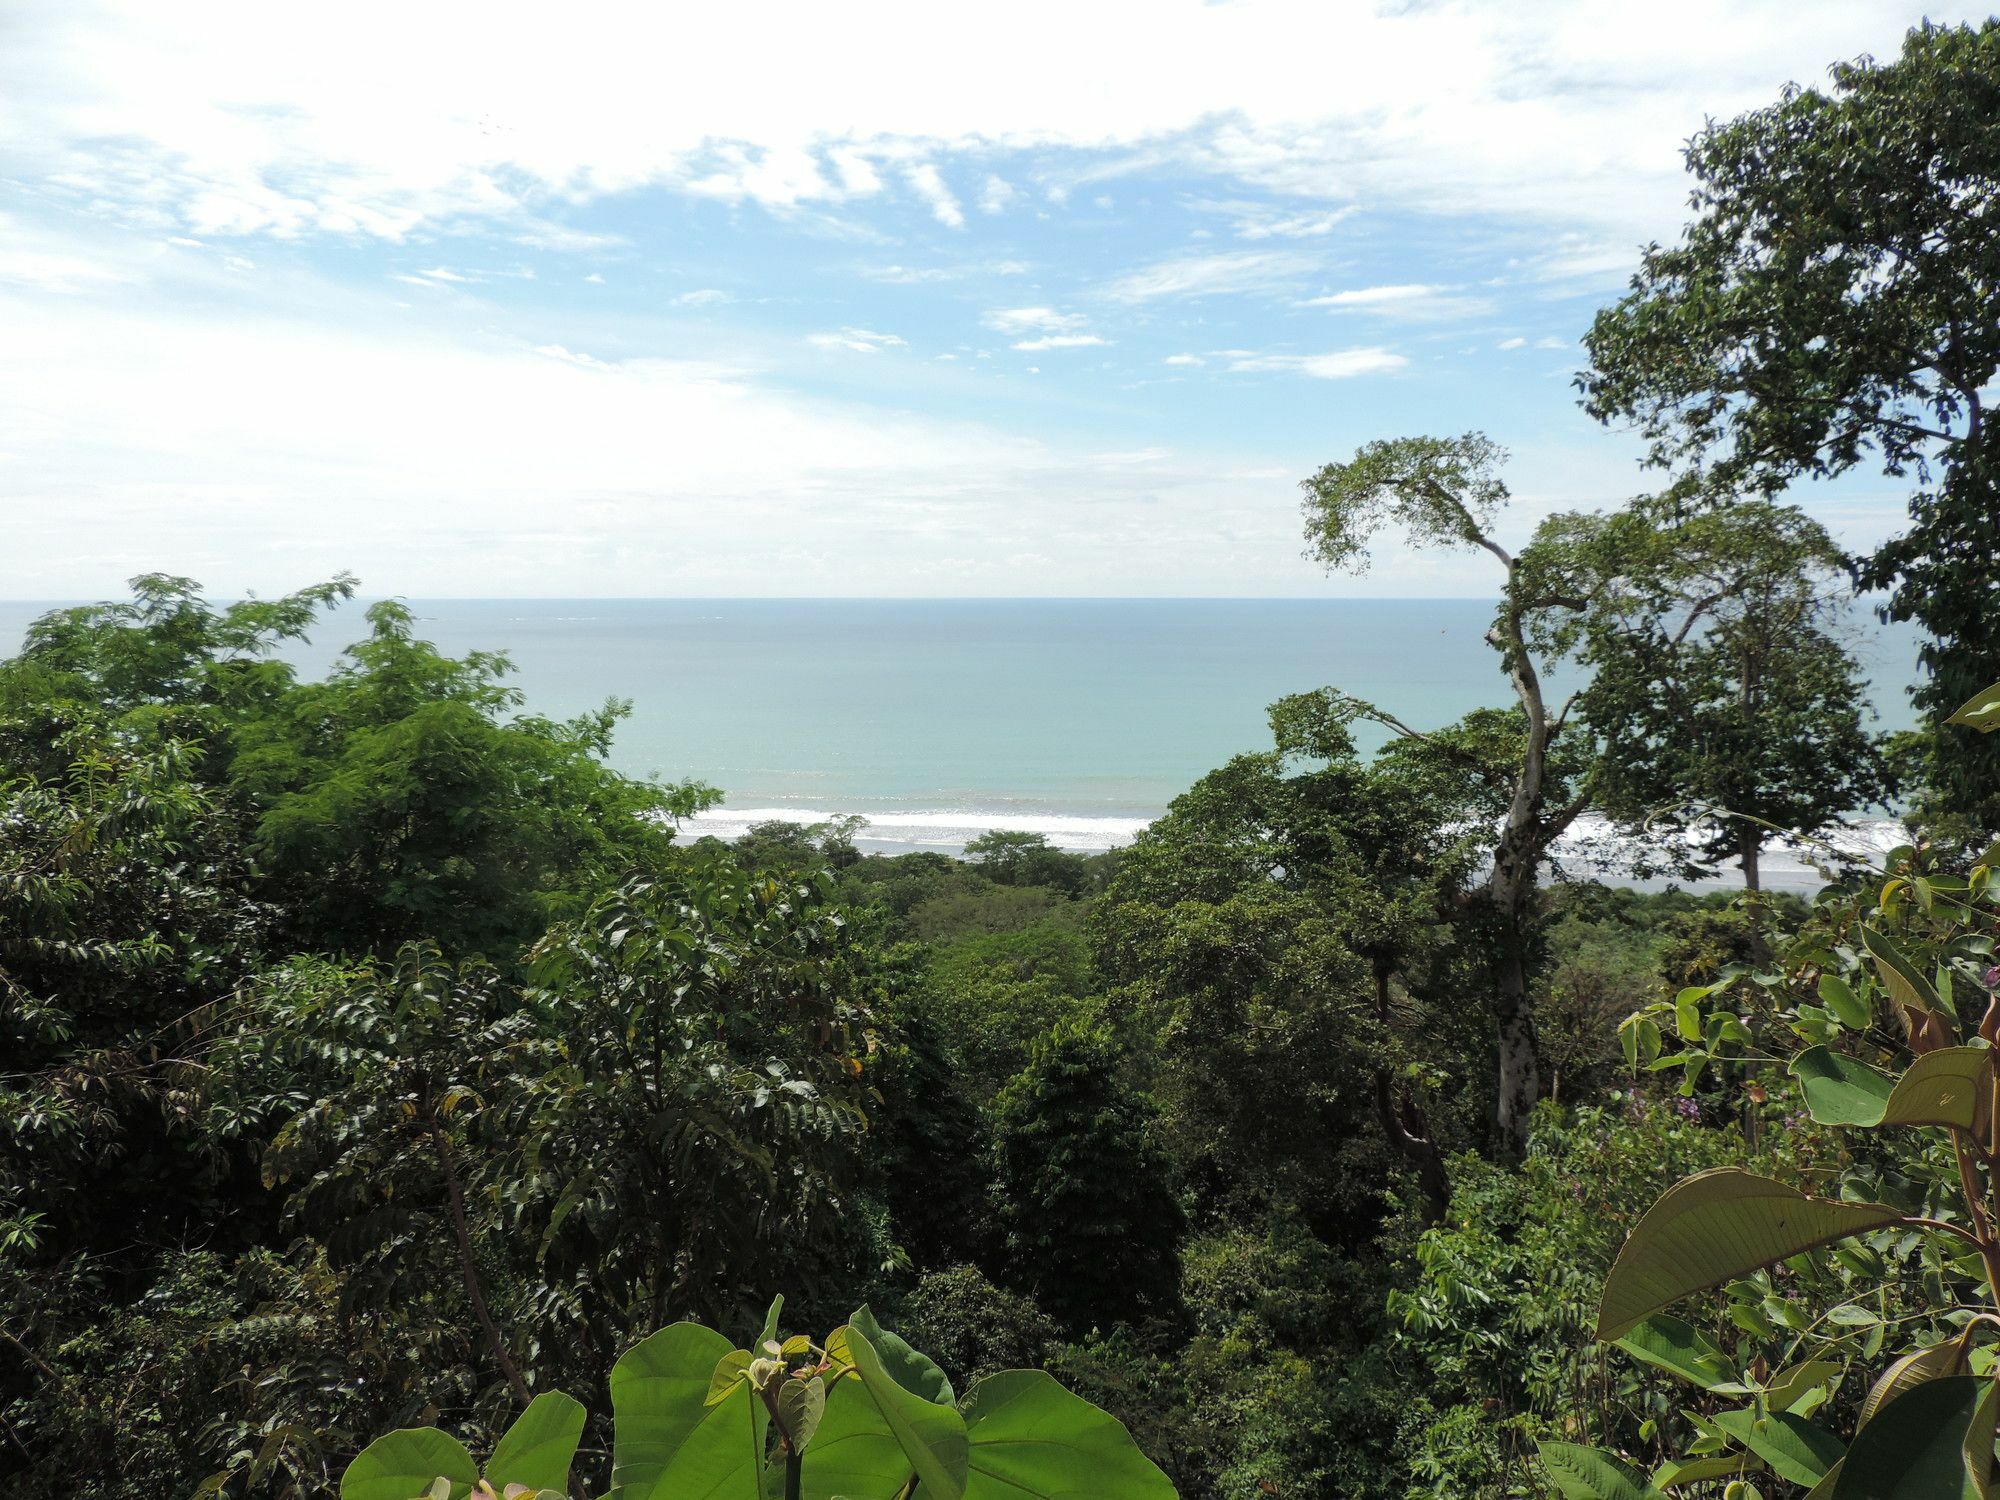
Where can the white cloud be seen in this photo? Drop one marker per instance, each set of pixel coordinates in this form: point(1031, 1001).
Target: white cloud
point(1031, 320)
point(1513, 343)
point(47, 271)
point(465, 465)
point(914, 275)
point(1342, 364)
point(1267, 222)
point(1372, 296)
point(1183, 359)
point(929, 185)
point(1061, 341)
point(996, 195)
point(860, 340)
point(1230, 271)
point(232, 118)
point(1406, 302)
point(706, 296)
point(557, 237)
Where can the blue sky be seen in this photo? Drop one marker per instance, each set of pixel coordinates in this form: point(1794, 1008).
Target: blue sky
point(828, 300)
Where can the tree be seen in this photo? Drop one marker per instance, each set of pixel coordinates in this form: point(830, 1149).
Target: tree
point(1833, 303)
point(396, 802)
point(1092, 1232)
point(1724, 700)
point(391, 1070)
point(124, 911)
point(1284, 932)
point(1445, 492)
point(687, 1114)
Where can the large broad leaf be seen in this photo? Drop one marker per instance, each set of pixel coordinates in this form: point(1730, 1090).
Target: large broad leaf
point(1905, 983)
point(914, 1372)
point(1931, 1363)
point(854, 1452)
point(1684, 1350)
point(1981, 711)
point(1712, 1227)
point(1917, 1446)
point(668, 1442)
point(1033, 1440)
point(1793, 1447)
point(1948, 1087)
point(1585, 1474)
point(403, 1465)
point(537, 1450)
point(1840, 1090)
point(1945, 1087)
point(932, 1436)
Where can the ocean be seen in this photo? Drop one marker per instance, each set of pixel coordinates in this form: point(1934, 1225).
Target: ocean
point(939, 719)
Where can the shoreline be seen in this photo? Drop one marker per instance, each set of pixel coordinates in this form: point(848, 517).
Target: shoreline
point(1591, 850)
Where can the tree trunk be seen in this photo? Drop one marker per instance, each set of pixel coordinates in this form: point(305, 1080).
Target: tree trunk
point(469, 1268)
point(1520, 1069)
point(1749, 846)
point(1403, 1122)
point(1524, 838)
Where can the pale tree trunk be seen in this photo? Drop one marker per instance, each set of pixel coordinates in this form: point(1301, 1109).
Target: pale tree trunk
point(1512, 896)
point(1511, 890)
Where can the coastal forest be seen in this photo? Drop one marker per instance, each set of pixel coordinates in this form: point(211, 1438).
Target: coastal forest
point(391, 1092)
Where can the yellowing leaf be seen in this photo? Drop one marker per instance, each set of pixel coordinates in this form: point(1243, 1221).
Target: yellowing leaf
point(1981, 711)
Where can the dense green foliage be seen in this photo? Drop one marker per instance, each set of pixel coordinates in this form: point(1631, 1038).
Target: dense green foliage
point(1833, 305)
point(376, 1062)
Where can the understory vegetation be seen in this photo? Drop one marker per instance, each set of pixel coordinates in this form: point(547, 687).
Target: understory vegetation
point(374, 1057)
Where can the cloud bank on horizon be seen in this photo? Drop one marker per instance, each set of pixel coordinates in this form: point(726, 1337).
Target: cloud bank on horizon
point(878, 298)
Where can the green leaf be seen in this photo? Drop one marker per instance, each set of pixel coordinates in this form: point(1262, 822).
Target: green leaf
point(537, 1450)
point(1032, 1440)
point(1713, 1226)
point(1789, 1387)
point(914, 1372)
point(1588, 1474)
point(1916, 1447)
point(668, 1441)
point(730, 1372)
point(853, 1452)
point(1981, 711)
point(1905, 984)
point(1849, 1008)
point(1695, 1470)
point(1684, 1350)
point(1794, 1448)
point(402, 1465)
point(931, 1436)
point(1840, 1090)
point(801, 1404)
point(1945, 1087)
point(1931, 1363)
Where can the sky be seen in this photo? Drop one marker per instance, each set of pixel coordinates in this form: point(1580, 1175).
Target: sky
point(817, 300)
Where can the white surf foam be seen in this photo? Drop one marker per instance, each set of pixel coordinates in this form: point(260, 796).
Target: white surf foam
point(1590, 847)
point(943, 828)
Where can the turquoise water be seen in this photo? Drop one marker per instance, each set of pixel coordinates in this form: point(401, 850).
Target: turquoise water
point(1080, 717)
